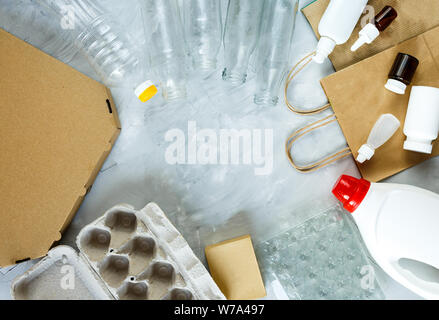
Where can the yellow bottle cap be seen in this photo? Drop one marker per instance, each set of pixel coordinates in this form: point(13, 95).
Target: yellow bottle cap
point(146, 91)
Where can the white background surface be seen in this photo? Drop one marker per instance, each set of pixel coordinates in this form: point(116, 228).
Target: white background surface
point(230, 200)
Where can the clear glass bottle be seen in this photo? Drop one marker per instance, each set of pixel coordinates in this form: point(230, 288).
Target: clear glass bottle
point(240, 37)
point(109, 50)
point(203, 27)
point(167, 47)
point(274, 49)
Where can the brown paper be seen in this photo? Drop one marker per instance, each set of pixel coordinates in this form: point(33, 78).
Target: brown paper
point(358, 97)
point(414, 18)
point(234, 268)
point(57, 126)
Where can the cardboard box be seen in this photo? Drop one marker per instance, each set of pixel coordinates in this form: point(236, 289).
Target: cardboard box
point(57, 127)
point(234, 268)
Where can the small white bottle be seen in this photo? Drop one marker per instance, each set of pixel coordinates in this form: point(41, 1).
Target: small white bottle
point(399, 225)
point(382, 131)
point(422, 120)
point(337, 24)
point(372, 30)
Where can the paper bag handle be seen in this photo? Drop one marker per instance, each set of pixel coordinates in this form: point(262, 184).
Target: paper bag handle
point(305, 130)
point(291, 75)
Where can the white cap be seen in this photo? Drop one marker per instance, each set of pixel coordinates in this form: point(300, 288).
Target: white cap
point(424, 146)
point(367, 35)
point(366, 152)
point(324, 49)
point(395, 86)
point(145, 91)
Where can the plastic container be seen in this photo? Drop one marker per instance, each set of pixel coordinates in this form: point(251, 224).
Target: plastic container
point(240, 37)
point(402, 73)
point(398, 224)
point(274, 49)
point(126, 254)
point(111, 53)
point(372, 30)
point(26, 20)
point(337, 24)
point(382, 131)
point(167, 47)
point(422, 120)
point(203, 26)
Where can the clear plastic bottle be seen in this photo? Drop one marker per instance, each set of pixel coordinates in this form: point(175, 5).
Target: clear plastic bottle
point(26, 20)
point(109, 50)
point(167, 49)
point(203, 27)
point(274, 49)
point(241, 34)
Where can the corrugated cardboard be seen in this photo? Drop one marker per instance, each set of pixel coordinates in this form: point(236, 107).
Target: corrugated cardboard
point(234, 268)
point(57, 126)
point(358, 97)
point(414, 18)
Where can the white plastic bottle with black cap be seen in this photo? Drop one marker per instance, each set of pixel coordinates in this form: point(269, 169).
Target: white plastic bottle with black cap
point(422, 120)
point(399, 225)
point(337, 24)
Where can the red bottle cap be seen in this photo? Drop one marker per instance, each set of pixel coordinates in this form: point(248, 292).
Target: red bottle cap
point(350, 191)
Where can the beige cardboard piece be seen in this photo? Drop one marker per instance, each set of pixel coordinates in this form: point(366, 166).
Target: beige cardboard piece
point(358, 97)
point(57, 127)
point(234, 268)
point(414, 18)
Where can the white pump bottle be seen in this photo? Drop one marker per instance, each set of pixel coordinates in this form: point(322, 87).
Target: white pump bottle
point(399, 225)
point(337, 24)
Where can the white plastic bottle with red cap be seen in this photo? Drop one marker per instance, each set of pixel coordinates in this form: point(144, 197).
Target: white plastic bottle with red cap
point(400, 226)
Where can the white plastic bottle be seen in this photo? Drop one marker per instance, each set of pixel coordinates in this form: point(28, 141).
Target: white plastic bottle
point(382, 131)
point(337, 24)
point(422, 121)
point(399, 225)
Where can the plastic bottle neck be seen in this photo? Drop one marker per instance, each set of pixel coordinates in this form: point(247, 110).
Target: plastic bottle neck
point(351, 191)
point(324, 49)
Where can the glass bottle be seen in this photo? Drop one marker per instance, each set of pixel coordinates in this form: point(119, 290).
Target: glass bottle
point(402, 73)
point(274, 49)
point(167, 47)
point(240, 37)
point(203, 27)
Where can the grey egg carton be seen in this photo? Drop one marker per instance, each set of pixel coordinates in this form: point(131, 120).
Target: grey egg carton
point(125, 254)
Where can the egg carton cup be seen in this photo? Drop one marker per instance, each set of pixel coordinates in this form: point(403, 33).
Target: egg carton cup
point(125, 255)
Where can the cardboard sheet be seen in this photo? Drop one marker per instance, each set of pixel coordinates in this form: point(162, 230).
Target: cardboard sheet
point(234, 268)
point(358, 97)
point(414, 18)
point(57, 127)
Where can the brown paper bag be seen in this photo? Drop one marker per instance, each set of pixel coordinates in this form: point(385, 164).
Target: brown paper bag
point(358, 97)
point(414, 18)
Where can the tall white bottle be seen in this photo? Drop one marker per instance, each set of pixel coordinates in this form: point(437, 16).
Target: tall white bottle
point(337, 24)
point(400, 227)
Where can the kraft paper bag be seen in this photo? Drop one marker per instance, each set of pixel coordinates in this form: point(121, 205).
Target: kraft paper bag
point(414, 18)
point(358, 97)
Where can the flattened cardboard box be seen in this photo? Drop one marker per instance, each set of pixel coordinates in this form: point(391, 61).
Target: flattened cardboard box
point(57, 127)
